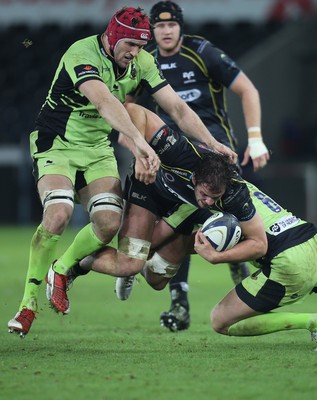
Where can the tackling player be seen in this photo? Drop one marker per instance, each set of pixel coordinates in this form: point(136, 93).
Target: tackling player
point(70, 142)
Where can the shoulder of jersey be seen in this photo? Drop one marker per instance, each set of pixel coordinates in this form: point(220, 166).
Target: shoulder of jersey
point(150, 47)
point(193, 41)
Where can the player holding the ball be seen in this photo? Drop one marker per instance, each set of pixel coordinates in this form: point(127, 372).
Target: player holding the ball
point(192, 184)
point(285, 274)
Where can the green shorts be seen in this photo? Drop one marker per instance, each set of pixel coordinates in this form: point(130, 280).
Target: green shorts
point(291, 276)
point(65, 159)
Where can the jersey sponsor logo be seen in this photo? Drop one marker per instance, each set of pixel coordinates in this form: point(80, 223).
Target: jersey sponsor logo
point(158, 137)
point(169, 66)
point(188, 76)
point(85, 69)
point(189, 95)
point(180, 173)
point(169, 177)
point(89, 116)
point(166, 147)
point(48, 162)
point(283, 224)
point(133, 72)
point(255, 274)
point(170, 141)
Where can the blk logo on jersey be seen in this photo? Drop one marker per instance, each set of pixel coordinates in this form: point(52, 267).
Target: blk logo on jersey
point(85, 69)
point(169, 66)
point(139, 196)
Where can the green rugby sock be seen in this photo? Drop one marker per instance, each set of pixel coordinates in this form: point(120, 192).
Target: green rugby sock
point(42, 253)
point(85, 243)
point(273, 322)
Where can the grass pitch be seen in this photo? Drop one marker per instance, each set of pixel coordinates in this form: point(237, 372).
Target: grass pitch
point(107, 349)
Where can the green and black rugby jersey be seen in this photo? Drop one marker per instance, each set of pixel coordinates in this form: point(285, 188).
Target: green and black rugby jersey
point(199, 73)
point(68, 113)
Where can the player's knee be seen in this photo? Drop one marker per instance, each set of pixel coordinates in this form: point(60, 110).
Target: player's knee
point(58, 207)
point(217, 322)
point(105, 210)
point(163, 268)
point(106, 228)
point(157, 283)
point(58, 221)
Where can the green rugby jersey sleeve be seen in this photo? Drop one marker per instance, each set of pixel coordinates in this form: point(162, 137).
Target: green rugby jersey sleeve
point(151, 76)
point(82, 61)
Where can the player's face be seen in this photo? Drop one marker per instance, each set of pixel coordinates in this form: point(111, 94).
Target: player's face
point(167, 35)
point(205, 196)
point(126, 50)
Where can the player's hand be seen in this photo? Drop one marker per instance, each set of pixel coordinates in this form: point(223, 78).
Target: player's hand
point(147, 161)
point(221, 148)
point(204, 248)
point(143, 172)
point(146, 154)
point(258, 152)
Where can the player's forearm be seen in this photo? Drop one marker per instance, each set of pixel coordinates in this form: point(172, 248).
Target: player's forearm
point(126, 142)
point(252, 112)
point(116, 115)
point(189, 122)
point(246, 250)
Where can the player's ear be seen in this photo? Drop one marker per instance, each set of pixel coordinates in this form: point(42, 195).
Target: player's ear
point(194, 179)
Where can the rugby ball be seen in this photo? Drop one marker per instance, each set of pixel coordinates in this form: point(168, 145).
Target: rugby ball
point(222, 230)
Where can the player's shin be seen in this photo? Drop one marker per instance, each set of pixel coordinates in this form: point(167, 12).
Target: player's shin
point(273, 322)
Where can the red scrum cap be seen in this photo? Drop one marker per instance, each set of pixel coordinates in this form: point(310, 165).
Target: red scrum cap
point(128, 23)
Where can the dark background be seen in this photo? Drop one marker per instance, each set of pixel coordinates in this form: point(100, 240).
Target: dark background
point(279, 56)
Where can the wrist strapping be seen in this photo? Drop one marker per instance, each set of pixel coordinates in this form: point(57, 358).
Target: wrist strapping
point(257, 147)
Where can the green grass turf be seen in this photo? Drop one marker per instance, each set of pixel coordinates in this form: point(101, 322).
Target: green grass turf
point(111, 350)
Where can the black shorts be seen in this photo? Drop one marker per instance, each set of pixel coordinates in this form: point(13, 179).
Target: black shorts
point(148, 197)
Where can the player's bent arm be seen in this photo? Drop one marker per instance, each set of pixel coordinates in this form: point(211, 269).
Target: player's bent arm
point(187, 120)
point(253, 246)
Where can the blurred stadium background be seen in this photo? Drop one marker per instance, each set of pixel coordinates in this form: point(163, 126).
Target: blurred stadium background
point(274, 41)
